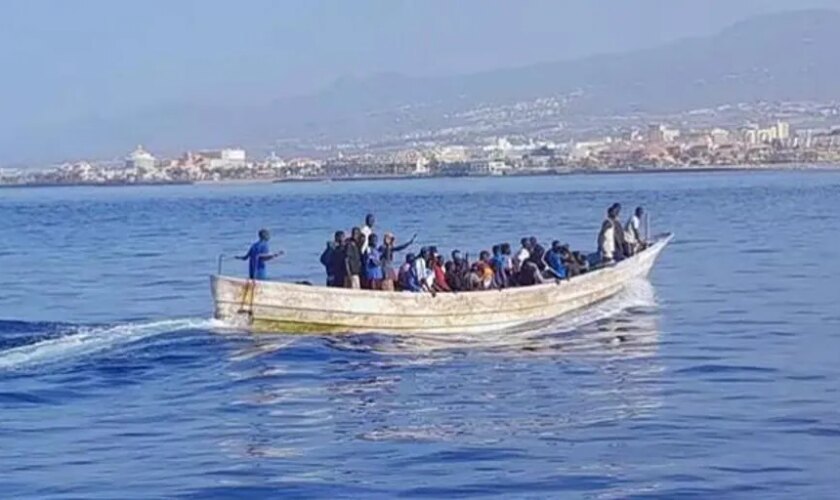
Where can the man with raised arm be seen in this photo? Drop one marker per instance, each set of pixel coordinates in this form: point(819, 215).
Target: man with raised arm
point(258, 255)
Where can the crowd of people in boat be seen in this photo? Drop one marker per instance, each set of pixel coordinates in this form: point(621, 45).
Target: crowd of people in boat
point(361, 260)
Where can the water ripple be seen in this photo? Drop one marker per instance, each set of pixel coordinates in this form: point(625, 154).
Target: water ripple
point(719, 381)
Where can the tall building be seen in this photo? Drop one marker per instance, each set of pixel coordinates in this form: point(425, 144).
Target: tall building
point(767, 135)
point(451, 154)
point(782, 130)
point(778, 132)
point(750, 135)
point(719, 136)
point(655, 135)
point(660, 134)
point(230, 158)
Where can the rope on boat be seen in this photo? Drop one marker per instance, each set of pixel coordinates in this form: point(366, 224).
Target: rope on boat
point(250, 288)
point(248, 294)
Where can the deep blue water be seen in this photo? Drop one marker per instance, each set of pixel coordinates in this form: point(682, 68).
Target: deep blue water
point(114, 382)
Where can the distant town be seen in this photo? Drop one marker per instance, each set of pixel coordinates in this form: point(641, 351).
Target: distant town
point(659, 146)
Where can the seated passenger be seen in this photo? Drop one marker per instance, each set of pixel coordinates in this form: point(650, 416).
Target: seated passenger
point(424, 276)
point(433, 252)
point(485, 267)
point(537, 254)
point(497, 264)
point(573, 266)
point(457, 276)
point(508, 263)
point(554, 259)
point(522, 255)
point(440, 284)
point(530, 275)
point(582, 260)
point(474, 278)
point(452, 280)
point(407, 279)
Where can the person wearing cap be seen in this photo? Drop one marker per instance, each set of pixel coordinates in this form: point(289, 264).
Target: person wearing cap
point(258, 255)
point(386, 257)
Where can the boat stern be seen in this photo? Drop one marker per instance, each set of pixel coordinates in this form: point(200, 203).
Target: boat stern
point(233, 300)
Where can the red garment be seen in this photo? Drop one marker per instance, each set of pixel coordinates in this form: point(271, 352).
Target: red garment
point(440, 279)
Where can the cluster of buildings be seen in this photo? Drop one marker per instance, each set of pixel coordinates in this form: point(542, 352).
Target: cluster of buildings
point(142, 167)
point(663, 146)
point(657, 146)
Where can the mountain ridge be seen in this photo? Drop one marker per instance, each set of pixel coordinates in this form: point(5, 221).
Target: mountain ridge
point(781, 56)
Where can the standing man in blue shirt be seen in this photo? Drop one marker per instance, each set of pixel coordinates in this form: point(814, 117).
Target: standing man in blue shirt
point(258, 255)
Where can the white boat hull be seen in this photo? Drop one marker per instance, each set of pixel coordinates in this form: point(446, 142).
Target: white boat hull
point(276, 307)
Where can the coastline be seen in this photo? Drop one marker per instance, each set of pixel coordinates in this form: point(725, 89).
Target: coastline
point(778, 167)
point(94, 184)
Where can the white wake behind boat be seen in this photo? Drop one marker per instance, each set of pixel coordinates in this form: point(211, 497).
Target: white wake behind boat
point(277, 307)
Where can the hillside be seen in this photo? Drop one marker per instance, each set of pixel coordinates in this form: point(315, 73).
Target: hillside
point(786, 56)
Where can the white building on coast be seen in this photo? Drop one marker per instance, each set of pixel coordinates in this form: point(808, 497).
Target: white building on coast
point(140, 159)
point(229, 158)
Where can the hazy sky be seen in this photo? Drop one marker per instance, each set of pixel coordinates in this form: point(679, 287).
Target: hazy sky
point(66, 59)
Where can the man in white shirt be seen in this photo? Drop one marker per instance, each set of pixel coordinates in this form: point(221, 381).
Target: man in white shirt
point(522, 255)
point(633, 231)
point(606, 243)
point(367, 230)
point(425, 276)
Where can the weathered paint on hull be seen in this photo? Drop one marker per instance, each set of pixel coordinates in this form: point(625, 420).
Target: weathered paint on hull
point(275, 307)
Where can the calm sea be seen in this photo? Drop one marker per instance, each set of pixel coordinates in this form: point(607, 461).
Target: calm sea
point(115, 382)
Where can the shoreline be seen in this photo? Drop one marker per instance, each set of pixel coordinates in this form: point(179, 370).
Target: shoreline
point(540, 173)
point(94, 184)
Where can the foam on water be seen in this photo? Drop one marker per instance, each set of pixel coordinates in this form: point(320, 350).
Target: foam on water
point(727, 388)
point(86, 340)
point(636, 294)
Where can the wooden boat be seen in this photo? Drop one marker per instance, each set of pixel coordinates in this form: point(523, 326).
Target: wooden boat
point(270, 306)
